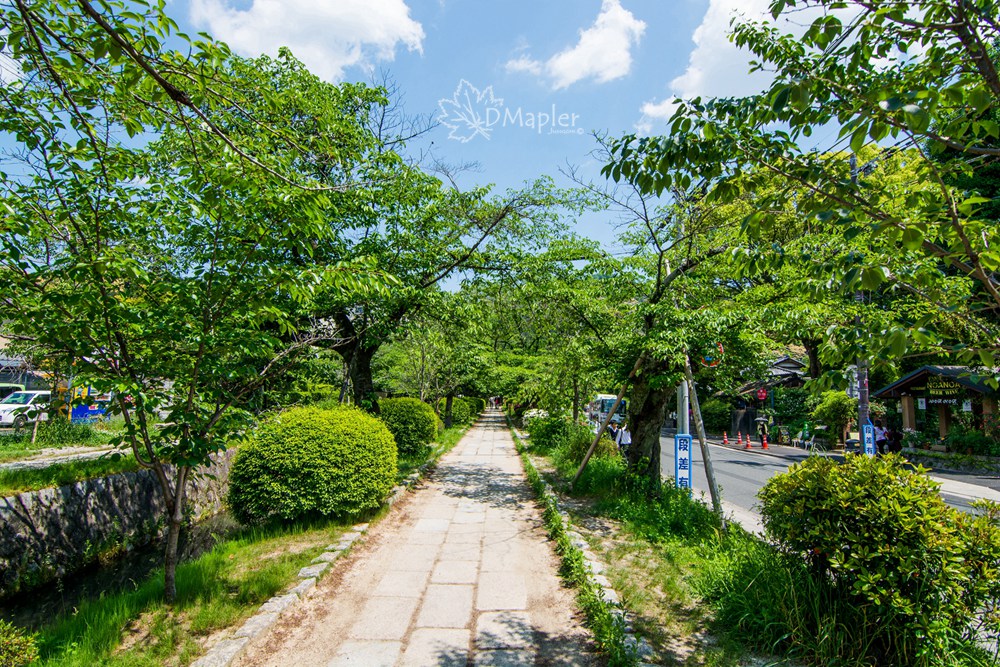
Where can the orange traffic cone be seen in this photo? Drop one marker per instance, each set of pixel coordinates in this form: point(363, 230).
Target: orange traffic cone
point(725, 438)
point(763, 441)
point(739, 438)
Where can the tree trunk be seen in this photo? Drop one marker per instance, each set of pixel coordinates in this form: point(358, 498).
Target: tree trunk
point(345, 385)
point(175, 523)
point(576, 399)
point(812, 351)
point(447, 409)
point(646, 411)
point(361, 378)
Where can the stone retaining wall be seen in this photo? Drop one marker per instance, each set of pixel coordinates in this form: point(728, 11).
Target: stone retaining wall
point(47, 534)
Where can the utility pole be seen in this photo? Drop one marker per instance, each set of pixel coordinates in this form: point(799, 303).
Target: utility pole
point(683, 425)
point(706, 456)
point(862, 361)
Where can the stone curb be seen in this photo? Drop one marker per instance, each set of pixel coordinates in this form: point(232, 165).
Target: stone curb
point(225, 651)
point(595, 568)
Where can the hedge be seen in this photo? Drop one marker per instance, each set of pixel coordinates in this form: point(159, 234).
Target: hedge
point(411, 421)
point(313, 462)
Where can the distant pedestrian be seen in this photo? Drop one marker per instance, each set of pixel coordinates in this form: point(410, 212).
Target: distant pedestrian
point(881, 437)
point(895, 440)
point(623, 439)
point(761, 431)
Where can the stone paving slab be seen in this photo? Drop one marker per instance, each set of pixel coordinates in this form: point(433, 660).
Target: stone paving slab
point(367, 654)
point(459, 573)
point(437, 646)
point(385, 618)
point(446, 606)
point(504, 629)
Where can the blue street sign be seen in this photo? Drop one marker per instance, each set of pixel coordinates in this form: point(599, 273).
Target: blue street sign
point(869, 437)
point(682, 461)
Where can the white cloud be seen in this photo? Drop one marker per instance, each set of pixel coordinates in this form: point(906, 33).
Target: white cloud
point(603, 53)
point(524, 64)
point(327, 35)
point(716, 66)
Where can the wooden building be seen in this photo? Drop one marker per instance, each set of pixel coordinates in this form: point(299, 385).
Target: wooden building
point(944, 389)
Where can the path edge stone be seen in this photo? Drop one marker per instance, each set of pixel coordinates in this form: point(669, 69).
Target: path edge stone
point(227, 649)
point(629, 647)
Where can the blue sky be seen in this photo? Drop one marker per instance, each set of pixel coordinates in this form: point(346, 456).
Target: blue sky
point(605, 65)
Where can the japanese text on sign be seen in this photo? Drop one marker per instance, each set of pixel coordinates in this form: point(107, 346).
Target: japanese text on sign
point(682, 461)
point(869, 437)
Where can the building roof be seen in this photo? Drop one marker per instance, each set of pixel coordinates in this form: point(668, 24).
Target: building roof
point(962, 375)
point(788, 363)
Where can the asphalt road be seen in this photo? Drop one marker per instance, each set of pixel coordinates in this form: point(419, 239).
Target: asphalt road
point(741, 473)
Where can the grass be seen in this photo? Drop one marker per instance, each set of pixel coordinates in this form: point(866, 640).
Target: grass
point(17, 481)
point(608, 628)
point(219, 590)
point(51, 435)
point(216, 591)
point(704, 597)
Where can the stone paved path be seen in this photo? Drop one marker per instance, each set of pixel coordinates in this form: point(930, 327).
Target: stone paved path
point(461, 574)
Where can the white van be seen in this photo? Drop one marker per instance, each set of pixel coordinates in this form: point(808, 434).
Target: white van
point(23, 407)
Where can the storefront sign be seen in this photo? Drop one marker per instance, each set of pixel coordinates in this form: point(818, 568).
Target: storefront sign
point(967, 405)
point(922, 403)
point(943, 391)
point(682, 461)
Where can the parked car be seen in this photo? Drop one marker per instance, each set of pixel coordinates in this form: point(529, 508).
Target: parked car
point(22, 407)
point(8, 388)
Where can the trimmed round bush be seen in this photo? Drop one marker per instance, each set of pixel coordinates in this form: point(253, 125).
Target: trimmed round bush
point(477, 405)
point(17, 648)
point(460, 413)
point(412, 422)
point(716, 415)
point(312, 462)
point(578, 440)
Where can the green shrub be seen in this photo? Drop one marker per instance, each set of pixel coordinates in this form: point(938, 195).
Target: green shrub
point(577, 440)
point(58, 430)
point(717, 415)
point(308, 461)
point(530, 415)
point(835, 409)
point(793, 405)
point(477, 405)
point(460, 413)
point(17, 648)
point(411, 421)
point(889, 563)
point(548, 433)
point(971, 440)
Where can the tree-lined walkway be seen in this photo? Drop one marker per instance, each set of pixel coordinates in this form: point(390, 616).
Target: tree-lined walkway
point(461, 574)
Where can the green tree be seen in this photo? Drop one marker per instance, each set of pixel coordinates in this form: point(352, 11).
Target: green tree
point(913, 76)
point(164, 265)
point(835, 409)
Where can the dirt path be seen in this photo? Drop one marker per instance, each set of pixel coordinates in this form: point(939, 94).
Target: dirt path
point(462, 574)
point(43, 458)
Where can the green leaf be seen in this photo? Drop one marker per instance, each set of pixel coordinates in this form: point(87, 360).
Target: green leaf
point(913, 238)
point(916, 118)
point(780, 99)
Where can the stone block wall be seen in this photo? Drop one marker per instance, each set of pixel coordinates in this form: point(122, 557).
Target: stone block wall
point(47, 534)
